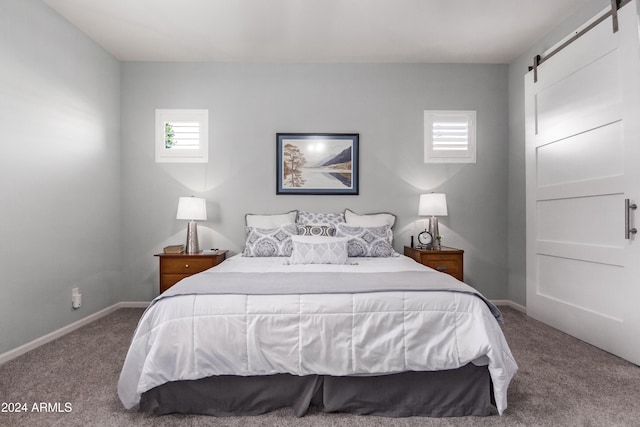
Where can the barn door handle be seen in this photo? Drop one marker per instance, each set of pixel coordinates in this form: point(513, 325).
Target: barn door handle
point(628, 207)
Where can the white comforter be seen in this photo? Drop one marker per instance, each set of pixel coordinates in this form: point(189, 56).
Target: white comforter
point(192, 336)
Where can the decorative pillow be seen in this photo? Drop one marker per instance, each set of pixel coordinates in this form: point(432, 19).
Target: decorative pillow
point(369, 220)
point(309, 218)
point(319, 250)
point(270, 221)
point(263, 242)
point(316, 230)
point(367, 241)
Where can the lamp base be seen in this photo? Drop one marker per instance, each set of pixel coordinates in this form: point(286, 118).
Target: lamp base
point(435, 233)
point(191, 247)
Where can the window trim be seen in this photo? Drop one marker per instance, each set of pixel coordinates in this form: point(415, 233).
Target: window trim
point(432, 155)
point(197, 155)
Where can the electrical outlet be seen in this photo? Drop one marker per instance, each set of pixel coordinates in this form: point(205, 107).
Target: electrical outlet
point(76, 298)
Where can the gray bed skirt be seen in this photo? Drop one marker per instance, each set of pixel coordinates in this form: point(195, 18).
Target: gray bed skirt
point(453, 393)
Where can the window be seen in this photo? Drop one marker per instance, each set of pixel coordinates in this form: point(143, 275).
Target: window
point(449, 136)
point(182, 136)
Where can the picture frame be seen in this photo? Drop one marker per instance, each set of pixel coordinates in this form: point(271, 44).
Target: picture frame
point(317, 163)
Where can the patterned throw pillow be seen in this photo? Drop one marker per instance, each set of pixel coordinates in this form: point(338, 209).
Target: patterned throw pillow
point(316, 230)
point(319, 250)
point(371, 220)
point(367, 241)
point(310, 218)
point(263, 242)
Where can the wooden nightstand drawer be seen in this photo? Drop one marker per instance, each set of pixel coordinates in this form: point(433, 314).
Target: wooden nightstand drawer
point(435, 256)
point(187, 266)
point(447, 260)
point(168, 280)
point(175, 267)
point(451, 266)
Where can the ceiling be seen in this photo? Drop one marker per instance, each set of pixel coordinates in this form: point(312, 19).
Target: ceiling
point(432, 31)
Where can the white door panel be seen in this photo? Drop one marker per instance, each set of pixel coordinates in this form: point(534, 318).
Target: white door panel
point(564, 65)
point(594, 220)
point(589, 155)
point(568, 108)
point(581, 283)
point(583, 161)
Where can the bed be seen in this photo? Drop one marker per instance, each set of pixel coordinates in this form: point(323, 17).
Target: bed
point(380, 335)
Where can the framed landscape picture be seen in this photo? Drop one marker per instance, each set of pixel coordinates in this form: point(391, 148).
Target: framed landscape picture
point(317, 163)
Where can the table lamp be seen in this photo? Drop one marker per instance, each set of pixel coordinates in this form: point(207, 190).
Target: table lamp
point(433, 205)
point(192, 209)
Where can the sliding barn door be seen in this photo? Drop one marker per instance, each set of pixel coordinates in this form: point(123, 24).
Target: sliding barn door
point(583, 161)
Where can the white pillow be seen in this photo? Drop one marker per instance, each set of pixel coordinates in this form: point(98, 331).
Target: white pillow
point(319, 250)
point(270, 221)
point(369, 220)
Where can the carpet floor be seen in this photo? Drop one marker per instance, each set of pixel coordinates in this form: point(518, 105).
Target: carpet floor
point(561, 382)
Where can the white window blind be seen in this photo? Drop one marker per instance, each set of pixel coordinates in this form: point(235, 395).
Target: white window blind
point(450, 136)
point(182, 136)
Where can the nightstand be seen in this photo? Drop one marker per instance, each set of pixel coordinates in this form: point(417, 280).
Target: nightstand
point(445, 260)
point(175, 267)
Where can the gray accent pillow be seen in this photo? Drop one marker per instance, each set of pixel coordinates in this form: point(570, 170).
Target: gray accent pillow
point(316, 230)
point(269, 242)
point(311, 218)
point(367, 241)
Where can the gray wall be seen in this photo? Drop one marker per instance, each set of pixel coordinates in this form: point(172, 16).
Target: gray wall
point(80, 208)
point(249, 103)
point(59, 173)
point(516, 164)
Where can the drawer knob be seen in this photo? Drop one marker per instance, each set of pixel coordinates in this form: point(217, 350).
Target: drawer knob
point(186, 266)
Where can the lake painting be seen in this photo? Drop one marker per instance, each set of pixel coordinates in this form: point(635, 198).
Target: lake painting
point(317, 163)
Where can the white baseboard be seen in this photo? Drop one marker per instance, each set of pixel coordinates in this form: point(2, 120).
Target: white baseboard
point(19, 351)
point(508, 303)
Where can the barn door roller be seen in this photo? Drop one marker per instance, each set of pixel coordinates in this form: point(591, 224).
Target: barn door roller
point(615, 5)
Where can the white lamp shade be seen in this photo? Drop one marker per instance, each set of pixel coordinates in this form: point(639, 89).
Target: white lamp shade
point(192, 208)
point(433, 204)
